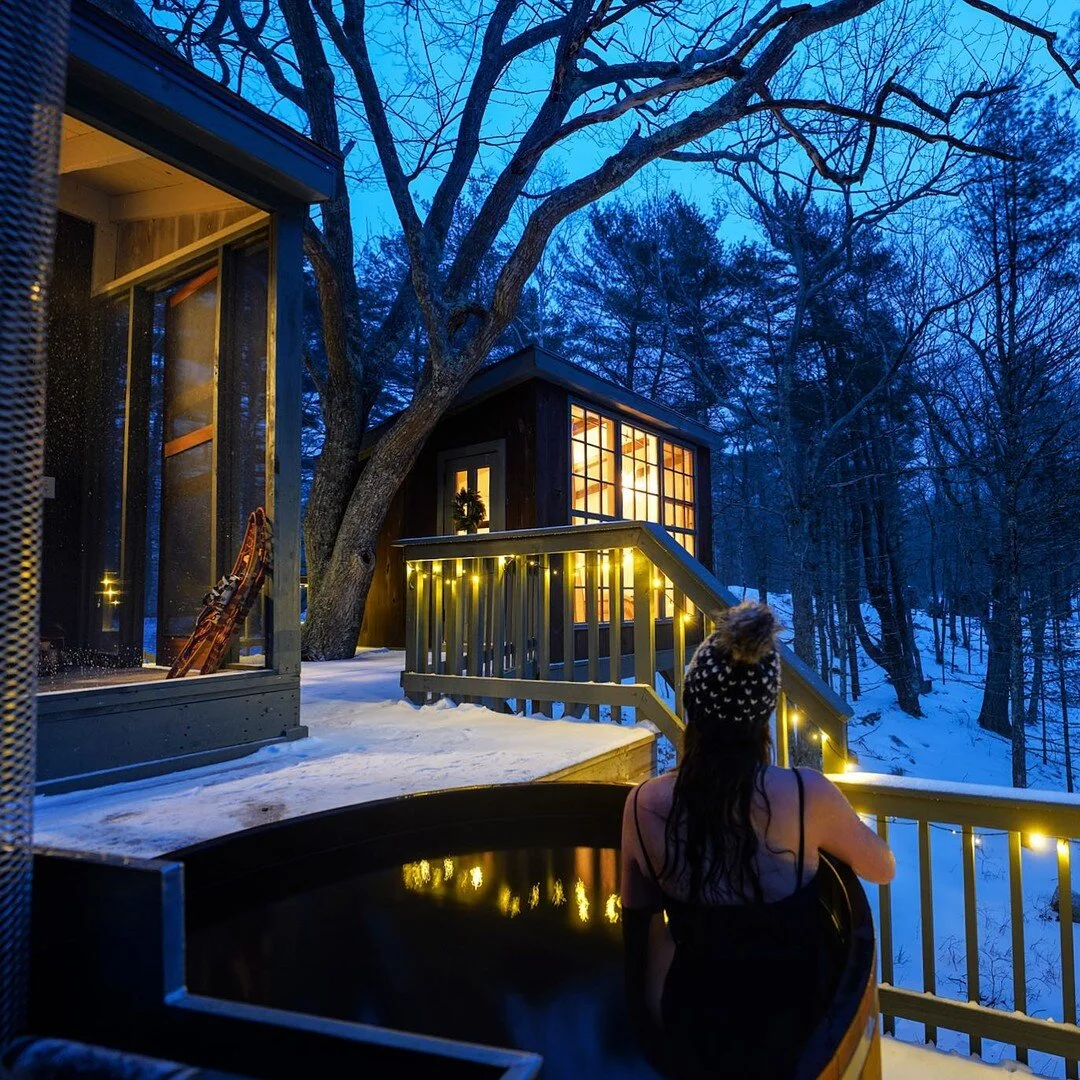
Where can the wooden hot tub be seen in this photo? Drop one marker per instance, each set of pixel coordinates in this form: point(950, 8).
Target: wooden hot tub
point(484, 915)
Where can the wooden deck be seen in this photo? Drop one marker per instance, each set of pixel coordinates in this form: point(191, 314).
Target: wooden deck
point(624, 764)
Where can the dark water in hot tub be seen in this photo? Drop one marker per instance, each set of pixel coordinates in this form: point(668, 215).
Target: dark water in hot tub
point(518, 948)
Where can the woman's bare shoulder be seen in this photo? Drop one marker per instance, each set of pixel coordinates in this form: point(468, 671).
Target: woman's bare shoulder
point(655, 793)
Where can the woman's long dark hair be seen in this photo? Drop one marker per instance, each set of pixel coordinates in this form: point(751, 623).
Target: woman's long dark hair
point(709, 835)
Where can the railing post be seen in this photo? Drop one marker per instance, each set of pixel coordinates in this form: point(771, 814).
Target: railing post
point(1016, 920)
point(783, 754)
point(1065, 923)
point(437, 625)
point(971, 927)
point(568, 642)
point(518, 620)
point(926, 916)
point(644, 622)
point(679, 619)
point(543, 621)
point(615, 617)
point(592, 622)
point(413, 595)
point(885, 929)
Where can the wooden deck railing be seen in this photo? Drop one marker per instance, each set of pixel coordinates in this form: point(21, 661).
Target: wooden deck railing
point(1043, 824)
point(586, 615)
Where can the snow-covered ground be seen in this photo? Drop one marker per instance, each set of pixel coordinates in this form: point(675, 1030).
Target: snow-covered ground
point(903, 1061)
point(365, 743)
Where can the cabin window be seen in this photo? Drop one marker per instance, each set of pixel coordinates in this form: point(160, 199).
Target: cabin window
point(656, 483)
point(592, 457)
point(156, 412)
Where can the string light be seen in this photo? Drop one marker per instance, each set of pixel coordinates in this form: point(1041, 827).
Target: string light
point(1037, 841)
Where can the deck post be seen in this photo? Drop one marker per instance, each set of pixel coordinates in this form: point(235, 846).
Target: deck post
point(592, 621)
point(644, 621)
point(615, 606)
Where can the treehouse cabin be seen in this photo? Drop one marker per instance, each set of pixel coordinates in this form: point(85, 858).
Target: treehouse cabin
point(173, 411)
point(546, 443)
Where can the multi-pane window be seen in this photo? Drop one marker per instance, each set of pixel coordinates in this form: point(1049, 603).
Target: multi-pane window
point(679, 516)
point(640, 475)
point(592, 462)
point(656, 480)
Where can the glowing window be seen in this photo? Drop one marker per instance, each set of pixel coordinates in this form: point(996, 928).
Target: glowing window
point(592, 462)
point(656, 483)
point(680, 518)
point(640, 475)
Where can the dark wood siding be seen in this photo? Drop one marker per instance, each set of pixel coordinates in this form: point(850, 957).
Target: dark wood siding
point(704, 507)
point(552, 478)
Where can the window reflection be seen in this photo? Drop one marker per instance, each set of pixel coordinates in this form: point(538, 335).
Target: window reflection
point(577, 886)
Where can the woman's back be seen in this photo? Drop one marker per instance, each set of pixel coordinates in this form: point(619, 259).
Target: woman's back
point(727, 965)
point(726, 848)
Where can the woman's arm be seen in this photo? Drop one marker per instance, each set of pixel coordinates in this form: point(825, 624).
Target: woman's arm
point(837, 829)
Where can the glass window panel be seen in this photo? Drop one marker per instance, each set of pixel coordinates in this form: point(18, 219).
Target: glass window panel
point(190, 343)
point(243, 387)
point(185, 528)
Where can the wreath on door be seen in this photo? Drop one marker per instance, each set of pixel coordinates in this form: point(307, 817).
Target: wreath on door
point(469, 510)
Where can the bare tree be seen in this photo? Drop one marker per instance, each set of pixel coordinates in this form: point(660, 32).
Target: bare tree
point(437, 91)
point(1007, 398)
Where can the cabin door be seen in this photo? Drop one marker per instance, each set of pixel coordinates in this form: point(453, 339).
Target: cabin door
point(186, 564)
point(474, 468)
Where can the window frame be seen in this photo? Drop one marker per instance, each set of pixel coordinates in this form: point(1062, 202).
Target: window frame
point(577, 517)
point(662, 440)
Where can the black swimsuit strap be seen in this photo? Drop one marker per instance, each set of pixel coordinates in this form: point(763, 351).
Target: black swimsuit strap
point(641, 841)
point(802, 831)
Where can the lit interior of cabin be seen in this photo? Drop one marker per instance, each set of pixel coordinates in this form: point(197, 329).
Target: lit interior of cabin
point(156, 412)
point(655, 484)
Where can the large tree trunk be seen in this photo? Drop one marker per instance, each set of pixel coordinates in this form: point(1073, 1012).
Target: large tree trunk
point(885, 591)
point(994, 714)
point(1037, 632)
point(1016, 646)
point(336, 610)
point(802, 589)
point(1063, 692)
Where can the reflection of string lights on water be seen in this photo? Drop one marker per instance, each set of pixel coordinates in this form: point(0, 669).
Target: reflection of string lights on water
point(462, 880)
point(612, 908)
point(581, 900)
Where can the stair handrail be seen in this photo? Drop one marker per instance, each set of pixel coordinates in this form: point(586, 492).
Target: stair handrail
point(816, 700)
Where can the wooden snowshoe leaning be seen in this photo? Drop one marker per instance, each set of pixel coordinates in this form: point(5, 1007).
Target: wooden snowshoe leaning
point(226, 605)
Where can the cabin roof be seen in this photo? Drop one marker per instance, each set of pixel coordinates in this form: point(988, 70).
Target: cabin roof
point(536, 363)
point(130, 87)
